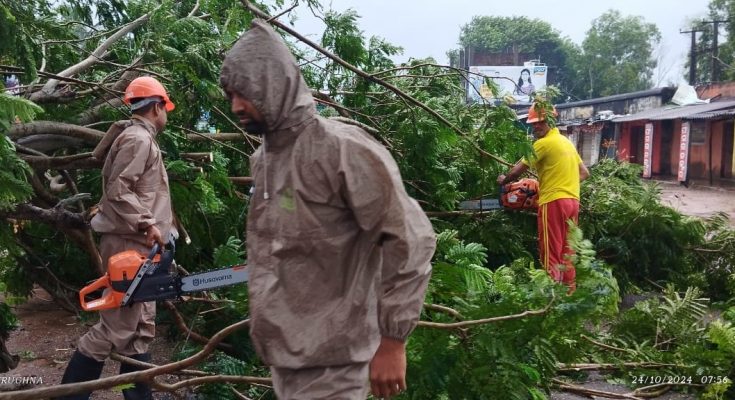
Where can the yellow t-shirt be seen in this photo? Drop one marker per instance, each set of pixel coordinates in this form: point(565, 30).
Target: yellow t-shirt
point(557, 163)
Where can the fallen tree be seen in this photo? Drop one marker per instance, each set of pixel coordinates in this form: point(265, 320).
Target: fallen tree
point(490, 321)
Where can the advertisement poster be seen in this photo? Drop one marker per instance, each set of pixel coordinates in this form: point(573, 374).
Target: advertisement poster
point(683, 152)
point(647, 150)
point(518, 82)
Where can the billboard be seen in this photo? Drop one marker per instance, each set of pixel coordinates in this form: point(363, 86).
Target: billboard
point(518, 82)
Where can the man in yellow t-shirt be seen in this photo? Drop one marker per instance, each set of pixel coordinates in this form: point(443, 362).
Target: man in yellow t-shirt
point(560, 169)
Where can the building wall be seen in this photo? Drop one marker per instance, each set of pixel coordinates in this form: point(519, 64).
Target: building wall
point(642, 104)
point(724, 89)
point(624, 143)
point(707, 160)
point(675, 142)
point(698, 154)
point(629, 145)
point(576, 113)
point(656, 150)
point(716, 137)
point(713, 159)
point(620, 107)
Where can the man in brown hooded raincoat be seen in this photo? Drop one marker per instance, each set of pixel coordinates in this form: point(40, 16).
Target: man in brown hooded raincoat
point(134, 211)
point(339, 254)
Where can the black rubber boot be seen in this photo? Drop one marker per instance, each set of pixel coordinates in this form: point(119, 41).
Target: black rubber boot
point(81, 369)
point(141, 391)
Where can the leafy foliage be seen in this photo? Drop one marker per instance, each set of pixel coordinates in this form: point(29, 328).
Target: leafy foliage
point(672, 329)
point(634, 232)
point(509, 357)
point(14, 186)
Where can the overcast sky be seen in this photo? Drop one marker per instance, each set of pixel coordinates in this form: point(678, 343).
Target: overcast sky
point(431, 27)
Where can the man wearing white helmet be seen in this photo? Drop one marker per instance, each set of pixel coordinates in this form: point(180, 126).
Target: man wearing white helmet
point(134, 212)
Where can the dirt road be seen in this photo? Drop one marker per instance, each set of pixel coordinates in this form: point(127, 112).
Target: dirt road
point(699, 201)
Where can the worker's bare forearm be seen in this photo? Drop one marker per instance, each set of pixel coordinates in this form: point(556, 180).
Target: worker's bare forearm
point(514, 173)
point(584, 173)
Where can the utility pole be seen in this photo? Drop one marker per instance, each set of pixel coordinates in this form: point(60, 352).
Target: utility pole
point(715, 51)
point(693, 55)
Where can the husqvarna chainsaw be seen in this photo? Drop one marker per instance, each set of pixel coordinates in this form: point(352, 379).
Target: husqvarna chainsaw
point(132, 278)
point(520, 195)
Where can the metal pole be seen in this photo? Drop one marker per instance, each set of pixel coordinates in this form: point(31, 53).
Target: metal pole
point(715, 54)
point(693, 59)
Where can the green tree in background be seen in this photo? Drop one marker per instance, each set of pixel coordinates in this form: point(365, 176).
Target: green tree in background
point(518, 35)
point(617, 55)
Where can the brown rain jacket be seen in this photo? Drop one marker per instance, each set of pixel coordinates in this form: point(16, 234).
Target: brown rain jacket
point(339, 254)
point(135, 184)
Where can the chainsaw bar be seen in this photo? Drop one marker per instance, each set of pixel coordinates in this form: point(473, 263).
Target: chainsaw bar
point(480, 205)
point(214, 279)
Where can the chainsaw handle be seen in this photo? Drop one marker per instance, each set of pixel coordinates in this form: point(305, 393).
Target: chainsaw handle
point(154, 250)
point(106, 301)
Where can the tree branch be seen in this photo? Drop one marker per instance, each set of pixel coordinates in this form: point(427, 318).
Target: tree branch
point(61, 162)
point(591, 392)
point(141, 364)
point(48, 143)
point(211, 138)
point(286, 11)
point(138, 376)
point(90, 136)
point(193, 10)
point(50, 86)
point(446, 310)
point(341, 110)
point(217, 138)
point(367, 128)
point(373, 79)
point(464, 324)
point(92, 114)
point(609, 367)
point(181, 324)
point(605, 346)
point(250, 138)
point(58, 217)
point(213, 379)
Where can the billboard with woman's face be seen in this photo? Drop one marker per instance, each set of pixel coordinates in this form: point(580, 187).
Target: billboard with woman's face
point(519, 82)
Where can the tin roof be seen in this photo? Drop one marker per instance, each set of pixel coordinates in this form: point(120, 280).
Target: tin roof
point(714, 114)
point(664, 92)
point(676, 112)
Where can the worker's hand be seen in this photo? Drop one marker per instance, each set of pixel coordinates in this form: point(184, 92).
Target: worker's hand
point(501, 179)
point(388, 368)
point(153, 235)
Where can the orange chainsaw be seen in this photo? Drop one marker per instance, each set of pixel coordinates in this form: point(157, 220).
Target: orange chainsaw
point(133, 278)
point(519, 195)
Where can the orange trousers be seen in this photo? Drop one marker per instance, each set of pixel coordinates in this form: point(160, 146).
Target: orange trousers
point(552, 239)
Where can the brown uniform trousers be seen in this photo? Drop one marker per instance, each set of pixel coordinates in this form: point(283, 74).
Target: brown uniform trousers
point(126, 330)
point(344, 382)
